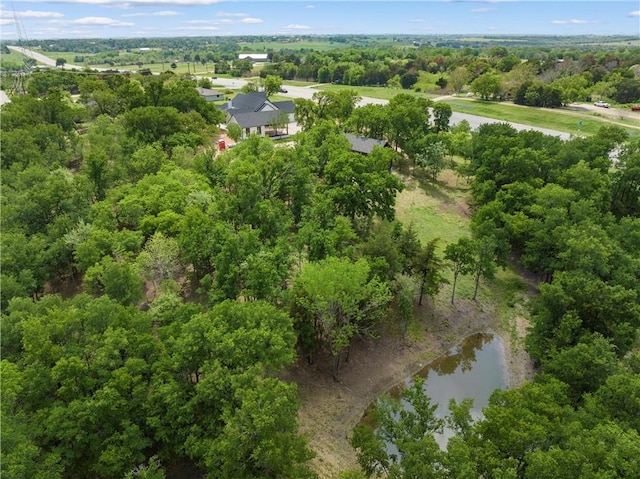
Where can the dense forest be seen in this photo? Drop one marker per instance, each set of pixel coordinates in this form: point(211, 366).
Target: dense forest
point(154, 289)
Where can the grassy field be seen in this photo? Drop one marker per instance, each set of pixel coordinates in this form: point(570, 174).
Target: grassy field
point(12, 57)
point(68, 56)
point(383, 93)
point(264, 47)
point(440, 210)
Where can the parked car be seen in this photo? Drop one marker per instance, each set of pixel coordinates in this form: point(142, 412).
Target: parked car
point(635, 108)
point(283, 90)
point(603, 104)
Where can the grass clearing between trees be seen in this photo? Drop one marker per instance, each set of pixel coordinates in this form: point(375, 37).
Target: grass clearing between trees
point(330, 409)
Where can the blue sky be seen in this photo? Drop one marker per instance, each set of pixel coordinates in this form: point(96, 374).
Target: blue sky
point(171, 18)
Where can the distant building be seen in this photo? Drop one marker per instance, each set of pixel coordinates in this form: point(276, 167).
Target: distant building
point(210, 95)
point(255, 113)
point(254, 57)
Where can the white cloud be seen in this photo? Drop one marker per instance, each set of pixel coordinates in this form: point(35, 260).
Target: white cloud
point(295, 26)
point(416, 20)
point(573, 21)
point(37, 14)
point(165, 13)
point(133, 3)
point(102, 21)
point(199, 28)
point(481, 10)
point(31, 14)
point(635, 13)
point(6, 21)
point(230, 14)
point(310, 6)
point(202, 22)
point(251, 20)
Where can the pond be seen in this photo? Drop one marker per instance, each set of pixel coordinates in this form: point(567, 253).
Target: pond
point(473, 369)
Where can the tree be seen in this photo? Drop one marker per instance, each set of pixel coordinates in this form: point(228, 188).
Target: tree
point(335, 105)
point(339, 301)
point(259, 438)
point(405, 288)
point(271, 84)
point(408, 80)
point(160, 258)
point(487, 85)
point(151, 124)
point(234, 131)
point(584, 367)
point(625, 188)
point(441, 116)
point(460, 254)
point(427, 265)
point(86, 405)
point(458, 78)
point(361, 185)
point(305, 113)
point(60, 62)
point(484, 261)
point(409, 428)
point(117, 279)
point(408, 118)
point(280, 121)
point(250, 87)
point(432, 158)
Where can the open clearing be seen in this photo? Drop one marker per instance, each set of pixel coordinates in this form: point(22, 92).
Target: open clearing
point(330, 409)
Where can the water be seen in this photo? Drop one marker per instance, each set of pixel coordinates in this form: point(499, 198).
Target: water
point(474, 369)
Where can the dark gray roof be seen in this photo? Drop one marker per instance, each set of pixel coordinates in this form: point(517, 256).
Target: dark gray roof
point(361, 144)
point(248, 101)
point(285, 105)
point(254, 118)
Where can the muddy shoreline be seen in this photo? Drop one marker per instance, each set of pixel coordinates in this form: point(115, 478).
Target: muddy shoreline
point(330, 409)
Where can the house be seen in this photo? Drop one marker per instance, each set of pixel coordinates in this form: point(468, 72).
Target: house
point(361, 144)
point(210, 95)
point(254, 57)
point(256, 114)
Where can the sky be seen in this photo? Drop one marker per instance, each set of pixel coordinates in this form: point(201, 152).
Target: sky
point(52, 19)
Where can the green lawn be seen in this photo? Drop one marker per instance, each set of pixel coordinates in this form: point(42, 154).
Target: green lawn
point(440, 211)
point(555, 119)
point(264, 47)
point(384, 93)
point(68, 56)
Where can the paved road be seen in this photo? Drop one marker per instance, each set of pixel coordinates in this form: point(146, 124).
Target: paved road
point(45, 60)
point(474, 120)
